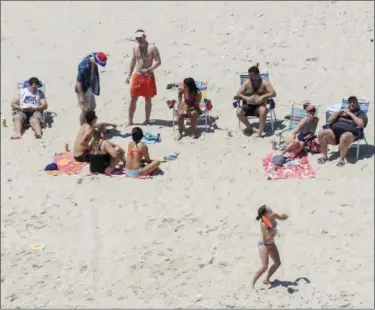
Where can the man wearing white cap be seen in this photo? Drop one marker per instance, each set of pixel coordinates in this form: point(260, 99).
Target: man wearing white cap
point(145, 59)
point(88, 83)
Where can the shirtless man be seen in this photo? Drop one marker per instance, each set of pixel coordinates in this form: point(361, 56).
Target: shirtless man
point(255, 92)
point(81, 145)
point(145, 59)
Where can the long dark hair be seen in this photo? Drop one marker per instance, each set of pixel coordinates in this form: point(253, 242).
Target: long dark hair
point(261, 211)
point(137, 134)
point(192, 87)
point(96, 136)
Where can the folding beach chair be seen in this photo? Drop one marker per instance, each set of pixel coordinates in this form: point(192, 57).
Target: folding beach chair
point(25, 84)
point(270, 104)
point(298, 113)
point(205, 104)
point(364, 106)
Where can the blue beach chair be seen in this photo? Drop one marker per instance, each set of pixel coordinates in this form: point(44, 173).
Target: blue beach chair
point(270, 104)
point(364, 106)
point(42, 87)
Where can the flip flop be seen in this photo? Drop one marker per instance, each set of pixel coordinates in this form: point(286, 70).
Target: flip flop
point(340, 164)
point(171, 157)
point(322, 160)
point(172, 85)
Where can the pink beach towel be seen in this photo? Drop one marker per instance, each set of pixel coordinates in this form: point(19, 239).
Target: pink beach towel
point(302, 171)
point(66, 164)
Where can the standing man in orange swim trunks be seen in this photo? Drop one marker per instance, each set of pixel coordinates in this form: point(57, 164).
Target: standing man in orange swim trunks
point(145, 59)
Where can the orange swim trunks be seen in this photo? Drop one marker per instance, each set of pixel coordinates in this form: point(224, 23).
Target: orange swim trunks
point(143, 85)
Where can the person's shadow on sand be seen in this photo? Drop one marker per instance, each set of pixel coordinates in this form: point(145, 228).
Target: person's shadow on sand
point(287, 284)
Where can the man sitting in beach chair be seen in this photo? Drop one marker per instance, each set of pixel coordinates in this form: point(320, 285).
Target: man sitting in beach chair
point(297, 138)
point(28, 107)
point(255, 92)
point(343, 130)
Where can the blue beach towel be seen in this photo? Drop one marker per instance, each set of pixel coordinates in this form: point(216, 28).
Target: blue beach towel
point(151, 138)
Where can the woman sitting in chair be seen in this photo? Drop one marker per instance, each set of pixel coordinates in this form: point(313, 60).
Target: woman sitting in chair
point(189, 107)
point(297, 138)
point(104, 155)
point(137, 154)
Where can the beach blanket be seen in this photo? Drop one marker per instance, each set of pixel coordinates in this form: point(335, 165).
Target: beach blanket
point(302, 170)
point(151, 138)
point(66, 164)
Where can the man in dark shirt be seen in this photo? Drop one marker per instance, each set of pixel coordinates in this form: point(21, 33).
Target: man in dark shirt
point(343, 130)
point(88, 83)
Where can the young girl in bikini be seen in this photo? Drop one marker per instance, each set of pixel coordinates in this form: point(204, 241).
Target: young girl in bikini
point(267, 246)
point(137, 151)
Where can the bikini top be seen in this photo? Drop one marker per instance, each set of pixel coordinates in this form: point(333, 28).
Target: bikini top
point(132, 151)
point(189, 101)
point(269, 224)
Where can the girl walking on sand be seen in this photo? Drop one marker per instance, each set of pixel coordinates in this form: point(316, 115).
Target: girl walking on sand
point(267, 246)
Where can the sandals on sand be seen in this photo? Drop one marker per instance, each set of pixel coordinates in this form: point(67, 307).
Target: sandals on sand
point(340, 164)
point(322, 160)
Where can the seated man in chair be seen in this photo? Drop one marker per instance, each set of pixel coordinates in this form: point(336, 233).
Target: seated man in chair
point(255, 92)
point(343, 130)
point(28, 107)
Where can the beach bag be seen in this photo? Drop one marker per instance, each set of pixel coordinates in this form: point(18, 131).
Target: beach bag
point(313, 146)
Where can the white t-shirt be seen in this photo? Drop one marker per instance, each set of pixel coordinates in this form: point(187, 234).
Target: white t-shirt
point(30, 100)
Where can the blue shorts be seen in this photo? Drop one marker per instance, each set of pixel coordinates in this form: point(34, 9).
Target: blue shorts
point(133, 173)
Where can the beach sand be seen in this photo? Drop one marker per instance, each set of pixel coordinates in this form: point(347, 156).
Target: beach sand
point(186, 239)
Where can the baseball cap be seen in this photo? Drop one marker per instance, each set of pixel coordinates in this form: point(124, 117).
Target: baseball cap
point(100, 58)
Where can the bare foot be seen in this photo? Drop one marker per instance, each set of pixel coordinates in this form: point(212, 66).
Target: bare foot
point(180, 137)
point(108, 171)
point(38, 136)
point(16, 137)
point(130, 123)
point(258, 133)
point(146, 122)
point(267, 282)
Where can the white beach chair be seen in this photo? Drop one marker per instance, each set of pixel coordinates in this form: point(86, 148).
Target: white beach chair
point(205, 104)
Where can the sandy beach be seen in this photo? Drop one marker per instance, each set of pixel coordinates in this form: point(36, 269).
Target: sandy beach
point(188, 238)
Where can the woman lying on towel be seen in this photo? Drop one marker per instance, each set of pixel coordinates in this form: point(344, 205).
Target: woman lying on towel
point(189, 107)
point(266, 245)
point(104, 155)
point(303, 133)
point(137, 154)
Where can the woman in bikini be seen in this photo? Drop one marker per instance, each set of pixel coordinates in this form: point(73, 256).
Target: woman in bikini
point(267, 246)
point(304, 132)
point(137, 151)
point(104, 155)
point(189, 108)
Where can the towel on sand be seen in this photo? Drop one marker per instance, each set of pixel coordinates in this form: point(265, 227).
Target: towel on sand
point(151, 138)
point(66, 164)
point(301, 171)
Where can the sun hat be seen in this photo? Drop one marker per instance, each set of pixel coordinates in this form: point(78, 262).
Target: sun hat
point(100, 58)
